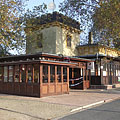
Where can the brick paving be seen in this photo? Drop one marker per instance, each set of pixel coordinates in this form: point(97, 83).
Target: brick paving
point(30, 108)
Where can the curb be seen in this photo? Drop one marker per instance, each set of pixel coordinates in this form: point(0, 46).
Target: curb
point(90, 105)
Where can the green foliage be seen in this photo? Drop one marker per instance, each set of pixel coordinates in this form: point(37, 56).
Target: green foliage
point(36, 12)
point(103, 16)
point(11, 35)
point(107, 22)
point(80, 9)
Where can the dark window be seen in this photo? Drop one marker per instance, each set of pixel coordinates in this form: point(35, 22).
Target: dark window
point(30, 72)
point(5, 74)
point(10, 73)
point(17, 73)
point(23, 73)
point(40, 40)
point(45, 74)
point(69, 38)
point(36, 73)
point(59, 73)
point(1, 72)
point(64, 74)
point(52, 73)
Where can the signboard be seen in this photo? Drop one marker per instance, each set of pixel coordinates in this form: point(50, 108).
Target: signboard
point(118, 79)
point(118, 75)
point(90, 65)
point(104, 73)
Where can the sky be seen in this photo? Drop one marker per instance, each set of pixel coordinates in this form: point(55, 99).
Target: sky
point(32, 3)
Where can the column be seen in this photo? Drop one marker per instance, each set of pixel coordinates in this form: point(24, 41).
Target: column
point(32, 73)
point(68, 78)
point(40, 79)
point(48, 78)
point(55, 79)
point(62, 78)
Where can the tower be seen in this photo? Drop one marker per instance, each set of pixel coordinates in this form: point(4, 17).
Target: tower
point(52, 33)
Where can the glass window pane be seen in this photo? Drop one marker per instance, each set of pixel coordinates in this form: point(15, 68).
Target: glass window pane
point(64, 74)
point(30, 69)
point(17, 73)
point(52, 73)
point(69, 40)
point(45, 74)
point(1, 72)
point(59, 73)
point(10, 73)
point(36, 73)
point(5, 74)
point(23, 74)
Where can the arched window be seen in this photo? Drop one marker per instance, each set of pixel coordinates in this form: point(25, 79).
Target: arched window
point(69, 38)
point(40, 40)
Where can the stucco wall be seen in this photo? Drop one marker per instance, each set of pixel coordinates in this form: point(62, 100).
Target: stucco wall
point(48, 42)
point(61, 43)
point(54, 41)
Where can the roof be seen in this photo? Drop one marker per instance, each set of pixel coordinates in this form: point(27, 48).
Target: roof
point(38, 55)
point(55, 16)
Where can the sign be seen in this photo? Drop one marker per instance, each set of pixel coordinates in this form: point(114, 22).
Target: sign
point(104, 73)
point(90, 65)
point(118, 79)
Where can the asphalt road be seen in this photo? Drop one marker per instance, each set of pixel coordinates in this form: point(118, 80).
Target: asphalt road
point(108, 111)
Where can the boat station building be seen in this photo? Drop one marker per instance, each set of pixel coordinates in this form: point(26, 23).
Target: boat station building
point(54, 61)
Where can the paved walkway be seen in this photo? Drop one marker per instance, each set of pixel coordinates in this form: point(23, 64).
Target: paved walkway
point(29, 108)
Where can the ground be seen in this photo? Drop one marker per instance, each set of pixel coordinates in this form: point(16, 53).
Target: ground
point(52, 107)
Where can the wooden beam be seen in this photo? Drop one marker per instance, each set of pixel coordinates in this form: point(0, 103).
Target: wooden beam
point(68, 79)
point(40, 78)
point(26, 74)
point(48, 74)
point(13, 73)
point(62, 78)
point(7, 73)
point(55, 79)
point(19, 73)
point(3, 74)
point(32, 73)
point(48, 79)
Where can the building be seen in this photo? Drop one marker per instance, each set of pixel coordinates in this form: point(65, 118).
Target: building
point(56, 62)
point(106, 71)
point(41, 74)
point(59, 34)
point(54, 34)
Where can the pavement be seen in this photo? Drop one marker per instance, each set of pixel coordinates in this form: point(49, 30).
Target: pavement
point(53, 107)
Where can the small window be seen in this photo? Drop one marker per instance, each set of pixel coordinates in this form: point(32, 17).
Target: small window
point(30, 73)
point(52, 73)
point(69, 38)
point(40, 40)
point(36, 73)
point(23, 73)
point(17, 73)
point(1, 72)
point(5, 74)
point(10, 73)
point(64, 74)
point(59, 73)
point(45, 74)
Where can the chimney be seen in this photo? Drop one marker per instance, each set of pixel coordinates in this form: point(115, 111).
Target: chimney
point(90, 41)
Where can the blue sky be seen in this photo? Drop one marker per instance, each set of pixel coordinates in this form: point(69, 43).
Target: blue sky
point(32, 3)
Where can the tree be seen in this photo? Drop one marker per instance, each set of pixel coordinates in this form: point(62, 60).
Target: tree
point(107, 22)
point(36, 12)
point(80, 9)
point(3, 51)
point(11, 36)
point(103, 16)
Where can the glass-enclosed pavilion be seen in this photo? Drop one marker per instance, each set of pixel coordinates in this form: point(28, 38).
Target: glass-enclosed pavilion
point(40, 74)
